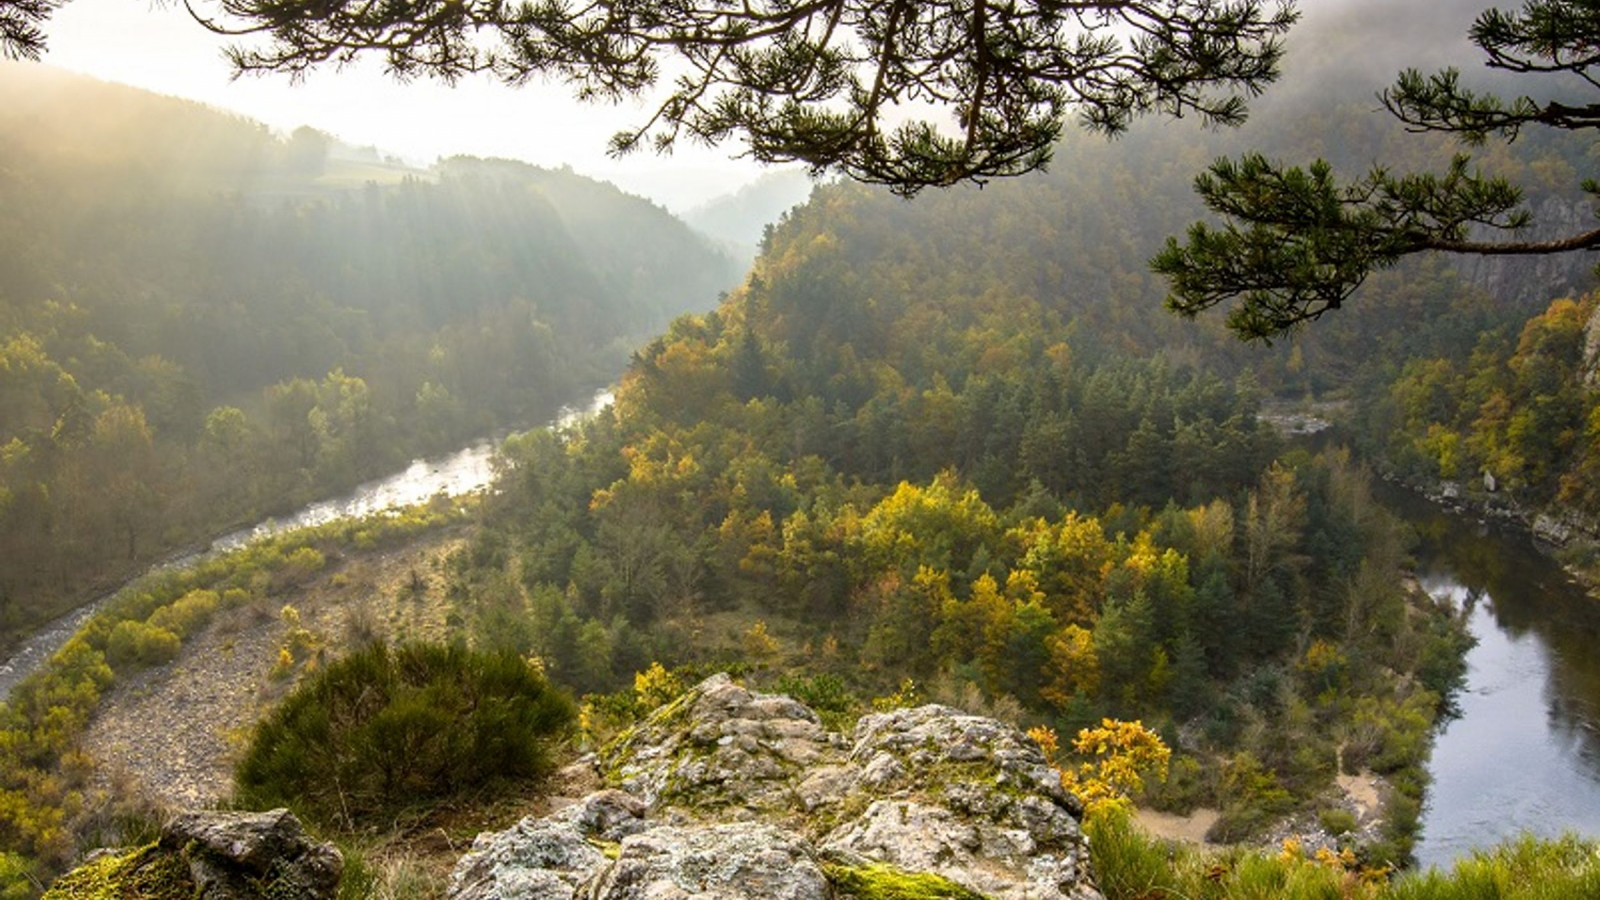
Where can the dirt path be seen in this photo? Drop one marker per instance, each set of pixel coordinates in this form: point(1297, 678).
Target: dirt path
point(1190, 829)
point(1364, 791)
point(174, 732)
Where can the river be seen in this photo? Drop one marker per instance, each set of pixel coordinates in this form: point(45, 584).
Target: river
point(462, 472)
point(1524, 753)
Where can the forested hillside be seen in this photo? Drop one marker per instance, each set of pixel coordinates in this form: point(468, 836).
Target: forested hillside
point(202, 322)
point(950, 449)
point(958, 440)
point(1516, 420)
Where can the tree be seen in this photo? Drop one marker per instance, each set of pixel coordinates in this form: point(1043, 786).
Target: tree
point(817, 81)
point(1296, 243)
point(20, 34)
point(1113, 761)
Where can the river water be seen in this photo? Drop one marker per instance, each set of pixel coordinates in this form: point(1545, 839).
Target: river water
point(462, 472)
point(1524, 753)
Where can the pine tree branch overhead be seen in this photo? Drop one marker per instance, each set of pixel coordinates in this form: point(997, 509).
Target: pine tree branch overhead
point(1294, 244)
point(836, 84)
point(21, 26)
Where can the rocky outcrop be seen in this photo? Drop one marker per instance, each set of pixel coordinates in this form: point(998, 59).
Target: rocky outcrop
point(1554, 526)
point(1591, 350)
point(246, 855)
point(214, 856)
point(1531, 282)
point(730, 793)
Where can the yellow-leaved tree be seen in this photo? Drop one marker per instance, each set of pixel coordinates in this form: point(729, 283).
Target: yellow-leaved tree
point(1111, 762)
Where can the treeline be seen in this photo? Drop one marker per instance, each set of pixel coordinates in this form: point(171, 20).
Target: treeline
point(1518, 416)
point(201, 322)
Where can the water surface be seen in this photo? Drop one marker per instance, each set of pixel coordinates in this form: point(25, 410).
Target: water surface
point(464, 471)
point(1524, 753)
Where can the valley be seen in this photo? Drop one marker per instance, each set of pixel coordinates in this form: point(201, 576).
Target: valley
point(1022, 512)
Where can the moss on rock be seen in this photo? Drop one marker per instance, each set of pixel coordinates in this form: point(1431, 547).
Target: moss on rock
point(876, 881)
point(148, 873)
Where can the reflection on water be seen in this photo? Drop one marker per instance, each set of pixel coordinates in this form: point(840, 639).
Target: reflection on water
point(1524, 754)
point(462, 472)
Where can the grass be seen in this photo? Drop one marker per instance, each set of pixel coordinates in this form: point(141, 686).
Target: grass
point(1131, 865)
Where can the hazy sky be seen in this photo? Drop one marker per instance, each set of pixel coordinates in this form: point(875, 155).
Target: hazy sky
point(160, 48)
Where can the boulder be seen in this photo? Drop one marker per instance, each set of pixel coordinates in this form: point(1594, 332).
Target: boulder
point(722, 745)
point(728, 792)
point(732, 861)
point(247, 855)
point(548, 858)
point(214, 856)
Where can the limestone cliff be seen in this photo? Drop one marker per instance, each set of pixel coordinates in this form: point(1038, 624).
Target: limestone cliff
point(1531, 282)
point(1591, 350)
point(729, 793)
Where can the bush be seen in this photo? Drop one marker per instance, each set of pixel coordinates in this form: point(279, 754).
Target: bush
point(185, 615)
point(134, 644)
point(15, 877)
point(386, 729)
point(1337, 821)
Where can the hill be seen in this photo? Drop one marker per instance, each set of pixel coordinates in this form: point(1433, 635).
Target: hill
point(202, 322)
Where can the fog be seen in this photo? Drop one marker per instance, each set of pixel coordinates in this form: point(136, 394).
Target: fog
point(1352, 47)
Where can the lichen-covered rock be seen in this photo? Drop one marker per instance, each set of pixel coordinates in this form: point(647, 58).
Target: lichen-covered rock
point(214, 856)
point(948, 747)
point(248, 855)
point(966, 797)
point(735, 861)
point(728, 792)
point(722, 745)
point(547, 858)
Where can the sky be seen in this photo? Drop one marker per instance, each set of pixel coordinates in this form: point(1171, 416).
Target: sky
point(158, 47)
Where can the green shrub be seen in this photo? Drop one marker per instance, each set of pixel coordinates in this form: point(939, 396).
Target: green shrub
point(15, 883)
point(134, 644)
point(187, 614)
point(824, 693)
point(386, 729)
point(1337, 821)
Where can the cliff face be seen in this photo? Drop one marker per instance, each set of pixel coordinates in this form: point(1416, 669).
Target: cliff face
point(1532, 281)
point(728, 793)
point(1591, 351)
